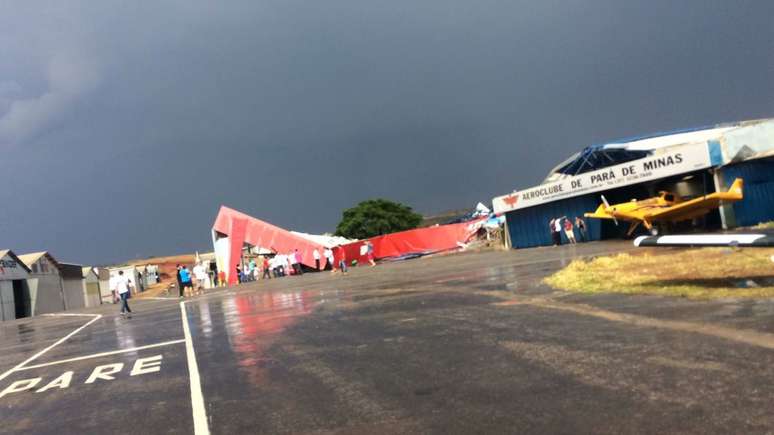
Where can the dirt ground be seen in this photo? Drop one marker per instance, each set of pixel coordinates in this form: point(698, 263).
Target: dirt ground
point(167, 271)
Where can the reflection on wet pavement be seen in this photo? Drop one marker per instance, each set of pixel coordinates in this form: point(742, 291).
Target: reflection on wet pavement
point(254, 320)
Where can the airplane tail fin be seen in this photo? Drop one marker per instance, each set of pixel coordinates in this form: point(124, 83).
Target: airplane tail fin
point(737, 188)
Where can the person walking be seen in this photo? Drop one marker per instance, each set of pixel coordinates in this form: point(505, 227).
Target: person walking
point(122, 288)
point(568, 231)
point(581, 224)
point(328, 253)
point(316, 255)
point(185, 278)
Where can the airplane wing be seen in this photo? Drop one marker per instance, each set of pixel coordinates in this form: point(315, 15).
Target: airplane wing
point(691, 240)
point(698, 206)
point(613, 212)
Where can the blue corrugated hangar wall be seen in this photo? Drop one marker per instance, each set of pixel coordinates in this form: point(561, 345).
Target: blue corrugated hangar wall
point(758, 203)
point(528, 227)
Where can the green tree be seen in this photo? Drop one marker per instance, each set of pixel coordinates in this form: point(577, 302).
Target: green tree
point(375, 217)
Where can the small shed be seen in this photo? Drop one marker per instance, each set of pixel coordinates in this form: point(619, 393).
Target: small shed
point(46, 288)
point(91, 287)
point(106, 294)
point(72, 285)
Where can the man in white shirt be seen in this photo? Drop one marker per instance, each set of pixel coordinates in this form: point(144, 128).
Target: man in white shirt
point(122, 289)
point(328, 252)
point(279, 265)
point(200, 274)
point(316, 255)
point(558, 229)
point(290, 263)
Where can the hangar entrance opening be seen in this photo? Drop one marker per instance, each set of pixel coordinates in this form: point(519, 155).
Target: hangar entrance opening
point(686, 186)
point(21, 299)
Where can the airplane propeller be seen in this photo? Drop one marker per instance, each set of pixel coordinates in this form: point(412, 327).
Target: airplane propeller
point(607, 206)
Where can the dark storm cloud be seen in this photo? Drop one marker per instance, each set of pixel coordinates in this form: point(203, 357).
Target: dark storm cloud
point(123, 127)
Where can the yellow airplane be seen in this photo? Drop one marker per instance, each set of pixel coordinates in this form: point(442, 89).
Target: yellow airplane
point(666, 207)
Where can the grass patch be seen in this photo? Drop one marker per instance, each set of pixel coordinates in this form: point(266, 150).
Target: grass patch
point(764, 226)
point(706, 273)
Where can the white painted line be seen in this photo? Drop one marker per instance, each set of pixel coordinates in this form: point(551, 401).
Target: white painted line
point(60, 341)
point(101, 354)
point(197, 398)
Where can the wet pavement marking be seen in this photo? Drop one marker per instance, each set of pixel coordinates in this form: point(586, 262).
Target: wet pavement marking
point(58, 342)
point(746, 336)
point(201, 426)
point(106, 372)
point(101, 354)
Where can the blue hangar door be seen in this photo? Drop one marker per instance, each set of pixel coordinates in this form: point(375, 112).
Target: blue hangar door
point(528, 227)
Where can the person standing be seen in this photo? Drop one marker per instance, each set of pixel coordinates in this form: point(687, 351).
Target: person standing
point(122, 288)
point(289, 259)
point(266, 268)
point(568, 231)
point(558, 231)
point(297, 262)
point(343, 261)
point(179, 280)
point(370, 253)
point(215, 274)
point(222, 278)
point(328, 253)
point(279, 265)
point(553, 231)
point(581, 224)
point(201, 275)
point(316, 255)
point(251, 267)
point(185, 278)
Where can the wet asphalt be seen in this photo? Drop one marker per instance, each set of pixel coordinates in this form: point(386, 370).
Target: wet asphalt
point(468, 343)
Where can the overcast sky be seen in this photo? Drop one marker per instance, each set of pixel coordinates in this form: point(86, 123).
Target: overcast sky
point(124, 127)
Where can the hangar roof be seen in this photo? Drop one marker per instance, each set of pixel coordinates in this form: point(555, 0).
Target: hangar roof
point(600, 156)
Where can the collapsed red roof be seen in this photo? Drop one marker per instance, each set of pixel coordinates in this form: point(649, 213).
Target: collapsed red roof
point(241, 228)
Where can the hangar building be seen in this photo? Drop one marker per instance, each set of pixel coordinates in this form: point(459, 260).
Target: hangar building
point(690, 163)
point(14, 292)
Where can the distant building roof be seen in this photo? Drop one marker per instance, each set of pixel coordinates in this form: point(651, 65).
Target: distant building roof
point(71, 271)
point(30, 259)
point(8, 252)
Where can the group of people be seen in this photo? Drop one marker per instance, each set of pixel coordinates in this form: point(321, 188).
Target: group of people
point(191, 282)
point(557, 225)
point(281, 265)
